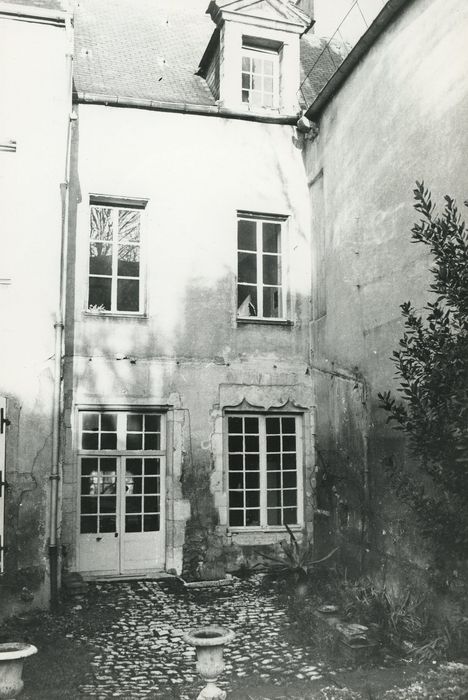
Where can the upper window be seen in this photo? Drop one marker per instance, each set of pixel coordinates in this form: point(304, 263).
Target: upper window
point(260, 288)
point(115, 283)
point(260, 78)
point(264, 458)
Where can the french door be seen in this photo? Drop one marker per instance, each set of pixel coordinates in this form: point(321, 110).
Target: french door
point(122, 488)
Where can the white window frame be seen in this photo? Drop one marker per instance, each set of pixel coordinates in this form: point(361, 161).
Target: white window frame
point(3, 425)
point(253, 52)
point(121, 452)
point(116, 205)
point(264, 527)
point(259, 220)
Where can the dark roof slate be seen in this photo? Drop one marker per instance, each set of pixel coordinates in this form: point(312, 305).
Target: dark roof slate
point(151, 49)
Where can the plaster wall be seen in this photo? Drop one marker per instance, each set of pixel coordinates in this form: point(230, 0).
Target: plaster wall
point(34, 111)
point(195, 172)
point(397, 119)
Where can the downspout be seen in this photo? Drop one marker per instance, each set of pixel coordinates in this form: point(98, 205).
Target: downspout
point(59, 332)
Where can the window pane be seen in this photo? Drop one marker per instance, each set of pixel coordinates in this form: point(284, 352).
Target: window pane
point(90, 441)
point(236, 499)
point(153, 423)
point(90, 421)
point(129, 261)
point(107, 523)
point(107, 504)
point(135, 422)
point(88, 466)
point(236, 443)
point(272, 302)
point(151, 523)
point(89, 504)
point(128, 295)
point(108, 441)
point(100, 259)
point(246, 63)
point(152, 441)
point(247, 267)
point(251, 443)
point(88, 525)
point(273, 461)
point(273, 443)
point(151, 485)
point(245, 95)
point(289, 461)
point(234, 425)
point(151, 466)
point(101, 224)
point(289, 443)
point(252, 461)
point(274, 480)
point(288, 425)
point(252, 480)
point(268, 67)
point(245, 81)
point(271, 269)
point(129, 225)
point(246, 301)
point(274, 499)
point(236, 518)
point(290, 498)
point(274, 516)
point(251, 425)
point(134, 441)
point(236, 480)
point(290, 516)
point(252, 517)
point(151, 504)
point(109, 421)
point(289, 480)
point(252, 499)
point(236, 462)
point(133, 466)
point(272, 426)
point(133, 523)
point(268, 86)
point(100, 292)
point(246, 235)
point(133, 504)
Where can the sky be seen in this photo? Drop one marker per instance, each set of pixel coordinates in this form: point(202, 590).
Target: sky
point(329, 14)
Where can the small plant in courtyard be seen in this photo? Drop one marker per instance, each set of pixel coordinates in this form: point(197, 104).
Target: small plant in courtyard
point(296, 559)
point(432, 366)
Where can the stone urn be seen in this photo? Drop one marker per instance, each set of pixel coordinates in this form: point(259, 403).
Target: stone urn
point(12, 656)
point(209, 643)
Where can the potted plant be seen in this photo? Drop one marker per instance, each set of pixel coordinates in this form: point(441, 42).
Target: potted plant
point(209, 642)
point(12, 656)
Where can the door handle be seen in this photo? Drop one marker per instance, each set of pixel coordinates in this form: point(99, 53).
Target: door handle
point(98, 539)
point(116, 534)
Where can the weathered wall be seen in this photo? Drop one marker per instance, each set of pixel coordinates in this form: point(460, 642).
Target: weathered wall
point(196, 172)
point(33, 112)
point(397, 119)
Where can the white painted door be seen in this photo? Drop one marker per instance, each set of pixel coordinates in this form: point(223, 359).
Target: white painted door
point(122, 470)
point(3, 425)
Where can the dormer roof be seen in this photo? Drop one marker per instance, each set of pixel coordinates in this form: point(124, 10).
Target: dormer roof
point(270, 13)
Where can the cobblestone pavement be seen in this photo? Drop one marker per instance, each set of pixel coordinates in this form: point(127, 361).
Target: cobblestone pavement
point(141, 654)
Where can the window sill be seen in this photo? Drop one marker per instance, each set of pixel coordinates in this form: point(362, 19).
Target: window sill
point(264, 321)
point(271, 528)
point(114, 314)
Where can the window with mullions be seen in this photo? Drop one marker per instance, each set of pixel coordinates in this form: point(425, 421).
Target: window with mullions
point(264, 461)
point(114, 259)
point(260, 78)
point(259, 268)
point(120, 467)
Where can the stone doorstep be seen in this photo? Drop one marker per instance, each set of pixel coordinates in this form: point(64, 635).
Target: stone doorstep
point(209, 584)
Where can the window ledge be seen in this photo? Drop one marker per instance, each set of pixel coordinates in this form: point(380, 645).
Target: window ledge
point(114, 314)
point(259, 530)
point(264, 321)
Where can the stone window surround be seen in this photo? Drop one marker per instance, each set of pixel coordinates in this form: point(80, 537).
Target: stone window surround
point(262, 398)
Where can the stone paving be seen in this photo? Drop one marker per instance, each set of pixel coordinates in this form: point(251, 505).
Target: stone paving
point(141, 654)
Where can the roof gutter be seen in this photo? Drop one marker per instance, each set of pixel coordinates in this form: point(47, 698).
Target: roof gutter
point(31, 13)
point(180, 107)
point(387, 15)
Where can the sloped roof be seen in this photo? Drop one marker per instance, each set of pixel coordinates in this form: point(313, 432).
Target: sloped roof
point(42, 4)
point(151, 49)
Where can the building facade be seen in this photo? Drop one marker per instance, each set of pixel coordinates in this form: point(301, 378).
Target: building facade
point(223, 280)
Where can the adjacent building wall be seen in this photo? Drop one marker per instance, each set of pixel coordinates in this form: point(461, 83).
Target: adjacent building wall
point(398, 118)
point(34, 110)
point(188, 353)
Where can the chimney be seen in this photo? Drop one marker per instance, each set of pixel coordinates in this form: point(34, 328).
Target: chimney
point(306, 6)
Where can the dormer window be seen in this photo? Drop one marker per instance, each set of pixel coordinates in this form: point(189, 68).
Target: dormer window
point(260, 77)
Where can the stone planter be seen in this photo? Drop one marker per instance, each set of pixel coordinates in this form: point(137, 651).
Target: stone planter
point(209, 643)
point(12, 656)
